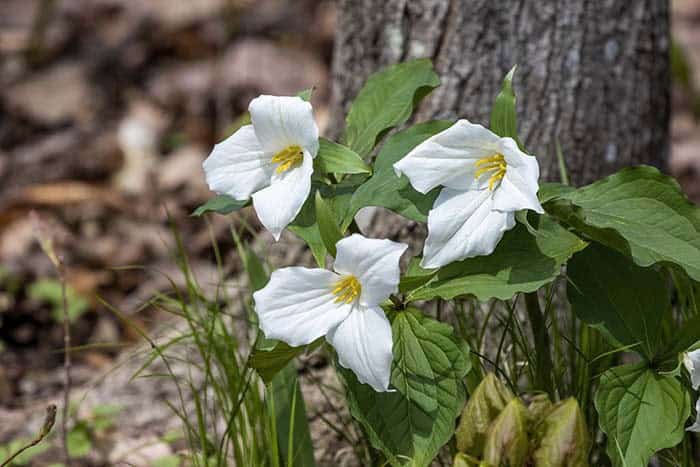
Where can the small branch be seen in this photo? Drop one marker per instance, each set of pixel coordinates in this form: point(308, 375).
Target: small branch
point(49, 421)
point(67, 380)
point(46, 243)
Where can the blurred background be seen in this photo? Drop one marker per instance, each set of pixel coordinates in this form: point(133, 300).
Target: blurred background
point(107, 110)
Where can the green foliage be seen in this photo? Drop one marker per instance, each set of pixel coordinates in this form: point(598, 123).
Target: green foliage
point(327, 225)
point(387, 100)
point(503, 117)
point(336, 158)
point(411, 424)
point(49, 291)
point(221, 204)
point(624, 301)
point(522, 262)
point(79, 443)
point(639, 212)
point(293, 436)
point(385, 188)
point(497, 429)
point(641, 412)
point(270, 362)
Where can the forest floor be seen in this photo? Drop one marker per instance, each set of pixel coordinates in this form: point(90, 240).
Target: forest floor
point(108, 109)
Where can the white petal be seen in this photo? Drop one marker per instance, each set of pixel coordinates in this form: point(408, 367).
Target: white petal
point(238, 166)
point(462, 224)
point(278, 204)
point(518, 189)
point(364, 345)
point(282, 121)
point(448, 157)
point(297, 306)
point(692, 364)
point(374, 262)
point(695, 427)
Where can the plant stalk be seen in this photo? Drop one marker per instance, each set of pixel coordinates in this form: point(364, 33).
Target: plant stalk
point(543, 358)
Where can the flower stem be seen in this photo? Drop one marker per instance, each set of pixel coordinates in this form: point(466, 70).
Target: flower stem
point(543, 358)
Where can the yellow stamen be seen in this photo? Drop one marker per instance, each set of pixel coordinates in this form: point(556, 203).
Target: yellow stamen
point(347, 289)
point(287, 158)
point(496, 165)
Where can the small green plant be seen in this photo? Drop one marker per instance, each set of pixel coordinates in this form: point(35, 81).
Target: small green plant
point(49, 291)
point(546, 285)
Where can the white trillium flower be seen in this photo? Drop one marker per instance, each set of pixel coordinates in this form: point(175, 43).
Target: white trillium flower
point(299, 305)
point(486, 179)
point(691, 360)
point(271, 159)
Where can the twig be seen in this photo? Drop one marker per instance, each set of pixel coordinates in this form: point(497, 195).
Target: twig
point(49, 420)
point(46, 243)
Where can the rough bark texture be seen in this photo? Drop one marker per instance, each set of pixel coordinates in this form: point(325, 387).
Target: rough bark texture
point(592, 74)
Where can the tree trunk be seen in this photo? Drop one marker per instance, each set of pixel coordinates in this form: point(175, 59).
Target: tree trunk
point(593, 75)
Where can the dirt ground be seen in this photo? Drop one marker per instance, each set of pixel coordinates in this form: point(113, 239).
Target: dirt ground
point(107, 109)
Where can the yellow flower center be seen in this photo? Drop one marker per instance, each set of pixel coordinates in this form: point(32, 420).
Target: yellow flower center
point(288, 158)
point(494, 165)
point(347, 289)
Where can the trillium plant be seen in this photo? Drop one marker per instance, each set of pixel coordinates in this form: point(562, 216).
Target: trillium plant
point(530, 323)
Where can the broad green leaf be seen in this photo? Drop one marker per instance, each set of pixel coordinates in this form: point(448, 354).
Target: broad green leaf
point(305, 226)
point(387, 190)
point(270, 362)
point(507, 441)
point(503, 115)
point(522, 262)
point(563, 437)
point(411, 424)
point(327, 226)
point(336, 158)
point(549, 191)
point(641, 412)
point(487, 401)
point(254, 268)
point(387, 100)
point(293, 436)
point(221, 204)
point(624, 301)
point(639, 212)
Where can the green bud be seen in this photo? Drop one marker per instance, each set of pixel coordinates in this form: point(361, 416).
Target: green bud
point(507, 441)
point(538, 408)
point(463, 460)
point(488, 400)
point(564, 441)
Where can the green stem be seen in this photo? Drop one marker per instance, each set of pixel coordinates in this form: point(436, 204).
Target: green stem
point(543, 357)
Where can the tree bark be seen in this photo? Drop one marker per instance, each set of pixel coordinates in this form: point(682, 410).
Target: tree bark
point(593, 75)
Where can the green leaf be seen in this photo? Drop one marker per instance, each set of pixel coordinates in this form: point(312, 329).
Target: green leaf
point(293, 436)
point(336, 158)
point(639, 212)
point(79, 443)
point(507, 442)
point(306, 94)
point(503, 116)
point(270, 362)
point(221, 204)
point(563, 437)
point(416, 420)
point(337, 198)
point(385, 188)
point(641, 412)
point(327, 226)
point(487, 401)
point(624, 301)
point(254, 268)
point(49, 291)
point(387, 100)
point(549, 191)
point(521, 263)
